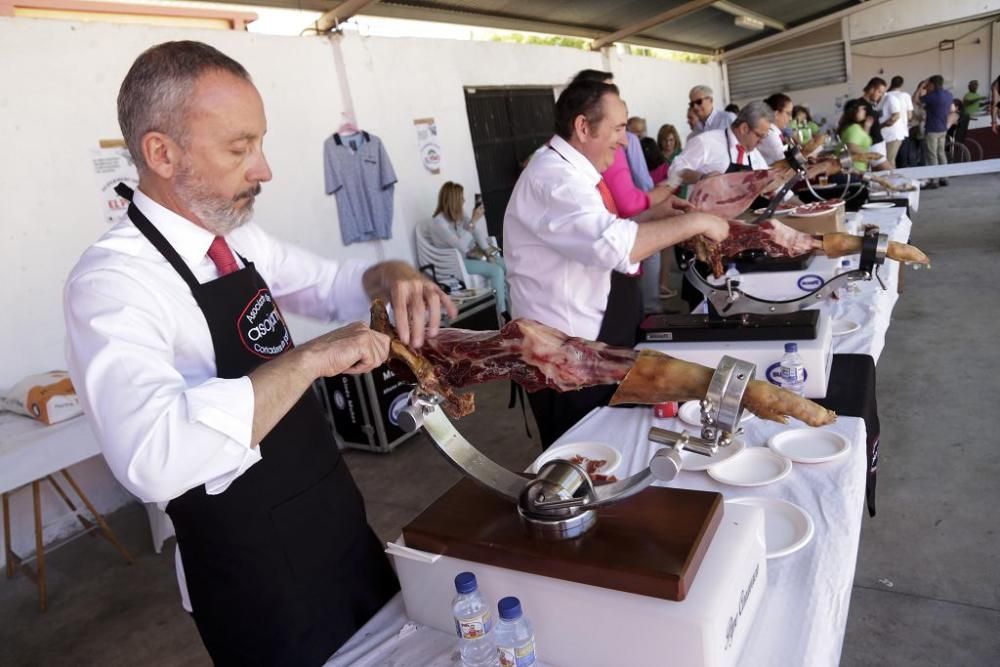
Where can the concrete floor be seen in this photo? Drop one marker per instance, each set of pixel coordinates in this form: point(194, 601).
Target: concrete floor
point(927, 586)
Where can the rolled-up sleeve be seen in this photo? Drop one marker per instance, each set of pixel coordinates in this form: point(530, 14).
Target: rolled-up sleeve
point(692, 158)
point(577, 226)
point(307, 284)
point(160, 436)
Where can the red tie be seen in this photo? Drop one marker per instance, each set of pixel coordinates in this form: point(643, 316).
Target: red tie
point(739, 154)
point(222, 256)
point(609, 201)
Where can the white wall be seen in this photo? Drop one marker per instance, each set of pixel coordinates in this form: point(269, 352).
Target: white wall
point(898, 15)
point(658, 91)
point(915, 57)
point(58, 86)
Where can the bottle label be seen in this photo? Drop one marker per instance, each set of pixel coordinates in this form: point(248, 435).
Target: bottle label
point(475, 627)
point(521, 656)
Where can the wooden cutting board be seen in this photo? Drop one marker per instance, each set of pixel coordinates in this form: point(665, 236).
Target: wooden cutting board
point(651, 544)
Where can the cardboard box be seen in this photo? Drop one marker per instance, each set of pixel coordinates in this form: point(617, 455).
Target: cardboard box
point(832, 221)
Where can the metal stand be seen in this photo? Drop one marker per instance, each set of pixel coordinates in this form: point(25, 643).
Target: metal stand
point(729, 300)
point(559, 502)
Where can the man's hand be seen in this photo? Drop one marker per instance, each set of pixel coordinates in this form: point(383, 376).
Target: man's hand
point(416, 301)
point(713, 227)
point(668, 208)
point(354, 349)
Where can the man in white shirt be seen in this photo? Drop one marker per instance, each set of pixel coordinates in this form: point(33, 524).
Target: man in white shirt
point(703, 104)
point(568, 252)
point(720, 151)
point(193, 385)
point(897, 109)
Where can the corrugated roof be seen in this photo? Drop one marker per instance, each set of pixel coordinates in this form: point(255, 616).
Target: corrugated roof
point(706, 29)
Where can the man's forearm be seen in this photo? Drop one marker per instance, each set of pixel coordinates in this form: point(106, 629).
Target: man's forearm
point(653, 236)
point(277, 386)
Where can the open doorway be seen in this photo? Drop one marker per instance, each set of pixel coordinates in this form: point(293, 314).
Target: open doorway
point(507, 126)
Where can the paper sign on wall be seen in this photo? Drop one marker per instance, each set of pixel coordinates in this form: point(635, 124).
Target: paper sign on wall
point(430, 151)
point(113, 165)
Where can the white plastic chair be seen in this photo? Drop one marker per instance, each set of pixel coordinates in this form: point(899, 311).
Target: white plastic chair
point(447, 262)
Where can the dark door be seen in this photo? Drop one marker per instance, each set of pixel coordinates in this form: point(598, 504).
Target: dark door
point(507, 125)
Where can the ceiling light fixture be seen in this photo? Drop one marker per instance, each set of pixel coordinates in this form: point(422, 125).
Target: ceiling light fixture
point(749, 22)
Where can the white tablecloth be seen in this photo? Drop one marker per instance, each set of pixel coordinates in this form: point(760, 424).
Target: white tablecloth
point(872, 307)
point(30, 450)
point(804, 613)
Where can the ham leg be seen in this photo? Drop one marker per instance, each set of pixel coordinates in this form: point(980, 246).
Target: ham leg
point(779, 240)
point(536, 357)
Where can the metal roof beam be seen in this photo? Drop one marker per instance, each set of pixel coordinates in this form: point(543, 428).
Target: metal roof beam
point(662, 17)
point(528, 25)
point(737, 10)
point(800, 29)
point(341, 13)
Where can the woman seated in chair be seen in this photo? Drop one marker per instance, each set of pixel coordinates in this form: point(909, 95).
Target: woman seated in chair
point(451, 228)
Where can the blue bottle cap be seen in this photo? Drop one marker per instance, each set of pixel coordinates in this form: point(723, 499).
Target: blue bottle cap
point(509, 608)
point(791, 347)
point(465, 582)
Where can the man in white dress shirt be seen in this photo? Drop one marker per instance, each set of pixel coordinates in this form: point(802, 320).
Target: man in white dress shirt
point(732, 148)
point(568, 252)
point(897, 110)
point(702, 102)
point(195, 389)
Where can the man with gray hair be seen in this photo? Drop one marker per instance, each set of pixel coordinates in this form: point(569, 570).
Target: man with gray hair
point(703, 104)
point(188, 374)
point(733, 148)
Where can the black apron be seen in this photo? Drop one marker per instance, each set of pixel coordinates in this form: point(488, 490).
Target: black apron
point(282, 567)
point(688, 291)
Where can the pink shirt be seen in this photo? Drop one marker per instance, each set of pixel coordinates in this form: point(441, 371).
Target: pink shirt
point(628, 198)
point(660, 173)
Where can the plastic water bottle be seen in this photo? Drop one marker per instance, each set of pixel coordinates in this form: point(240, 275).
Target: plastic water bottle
point(793, 370)
point(732, 275)
point(473, 623)
point(514, 636)
point(850, 288)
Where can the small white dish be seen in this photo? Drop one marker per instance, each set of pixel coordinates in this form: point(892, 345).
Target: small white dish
point(844, 327)
point(816, 209)
point(787, 527)
point(809, 445)
point(595, 451)
point(690, 413)
point(756, 466)
point(696, 462)
point(877, 204)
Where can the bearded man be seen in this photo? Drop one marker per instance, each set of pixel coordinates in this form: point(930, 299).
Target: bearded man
point(198, 394)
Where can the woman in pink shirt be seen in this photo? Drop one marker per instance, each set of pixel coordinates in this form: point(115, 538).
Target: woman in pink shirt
point(632, 202)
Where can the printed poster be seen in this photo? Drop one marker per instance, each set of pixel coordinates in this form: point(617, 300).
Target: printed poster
point(113, 165)
point(427, 140)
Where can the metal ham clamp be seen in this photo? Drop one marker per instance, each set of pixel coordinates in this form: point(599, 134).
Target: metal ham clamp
point(560, 501)
point(729, 300)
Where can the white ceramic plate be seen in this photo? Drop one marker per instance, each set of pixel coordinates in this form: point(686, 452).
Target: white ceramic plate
point(695, 462)
point(590, 450)
point(878, 204)
point(751, 467)
point(807, 213)
point(690, 413)
point(787, 527)
point(809, 445)
point(844, 327)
